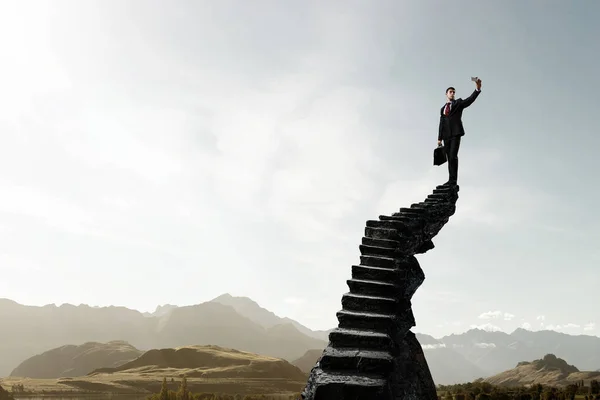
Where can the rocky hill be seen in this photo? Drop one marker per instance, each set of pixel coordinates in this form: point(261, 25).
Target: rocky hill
point(71, 360)
point(550, 370)
point(209, 362)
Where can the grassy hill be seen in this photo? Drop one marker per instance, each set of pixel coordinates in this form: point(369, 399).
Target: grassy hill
point(72, 360)
point(208, 369)
point(209, 362)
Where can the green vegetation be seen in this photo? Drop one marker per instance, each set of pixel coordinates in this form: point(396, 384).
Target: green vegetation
point(480, 390)
point(184, 394)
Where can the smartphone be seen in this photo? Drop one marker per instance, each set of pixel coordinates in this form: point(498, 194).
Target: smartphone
point(474, 78)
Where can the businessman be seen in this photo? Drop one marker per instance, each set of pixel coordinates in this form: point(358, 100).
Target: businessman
point(451, 127)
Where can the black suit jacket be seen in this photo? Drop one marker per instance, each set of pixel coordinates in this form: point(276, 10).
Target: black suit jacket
point(451, 125)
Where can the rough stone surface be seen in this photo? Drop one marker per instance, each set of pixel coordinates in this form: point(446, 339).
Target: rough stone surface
point(372, 354)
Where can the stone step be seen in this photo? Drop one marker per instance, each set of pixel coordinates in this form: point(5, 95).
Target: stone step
point(439, 196)
point(349, 386)
point(399, 226)
point(360, 339)
point(445, 186)
point(434, 202)
point(396, 217)
point(369, 303)
point(413, 211)
point(356, 360)
point(413, 222)
point(371, 287)
point(365, 320)
point(390, 244)
point(382, 233)
point(380, 261)
point(402, 321)
point(377, 251)
point(453, 188)
point(438, 208)
point(364, 272)
point(424, 208)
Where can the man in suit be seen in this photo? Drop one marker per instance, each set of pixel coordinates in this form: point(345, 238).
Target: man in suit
point(451, 127)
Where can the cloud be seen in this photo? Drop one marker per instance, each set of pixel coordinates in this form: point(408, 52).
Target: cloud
point(433, 346)
point(526, 325)
point(496, 315)
point(486, 327)
point(540, 318)
point(589, 327)
point(562, 327)
point(490, 315)
point(485, 345)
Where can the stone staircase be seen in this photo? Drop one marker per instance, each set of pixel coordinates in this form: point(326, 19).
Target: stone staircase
point(372, 354)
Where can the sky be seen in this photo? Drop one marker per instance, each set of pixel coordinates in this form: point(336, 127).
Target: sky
point(169, 152)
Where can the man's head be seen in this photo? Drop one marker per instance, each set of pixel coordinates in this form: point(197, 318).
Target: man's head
point(450, 93)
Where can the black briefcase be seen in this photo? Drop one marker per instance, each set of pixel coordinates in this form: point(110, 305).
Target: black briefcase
point(439, 156)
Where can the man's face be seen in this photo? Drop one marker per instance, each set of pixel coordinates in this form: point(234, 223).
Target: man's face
point(450, 94)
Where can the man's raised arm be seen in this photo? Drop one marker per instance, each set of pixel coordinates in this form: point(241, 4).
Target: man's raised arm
point(469, 100)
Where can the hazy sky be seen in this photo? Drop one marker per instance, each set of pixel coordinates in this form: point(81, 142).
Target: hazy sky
point(160, 152)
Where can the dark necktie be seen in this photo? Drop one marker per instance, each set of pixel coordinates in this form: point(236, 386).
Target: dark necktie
point(447, 109)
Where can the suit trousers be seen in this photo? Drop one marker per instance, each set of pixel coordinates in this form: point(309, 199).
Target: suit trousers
point(451, 146)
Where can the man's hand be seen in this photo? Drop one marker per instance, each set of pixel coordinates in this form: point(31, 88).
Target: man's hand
point(439, 143)
point(478, 84)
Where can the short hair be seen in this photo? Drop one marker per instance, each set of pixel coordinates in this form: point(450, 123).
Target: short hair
point(450, 88)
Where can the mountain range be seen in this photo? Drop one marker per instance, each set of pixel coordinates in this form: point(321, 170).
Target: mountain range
point(240, 323)
point(494, 352)
point(26, 331)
